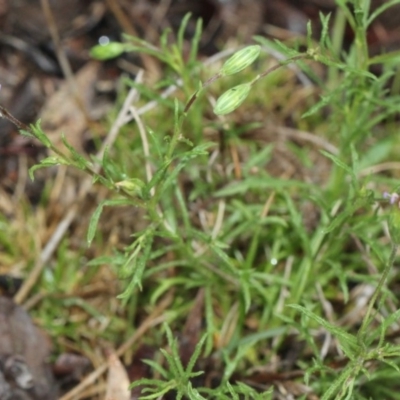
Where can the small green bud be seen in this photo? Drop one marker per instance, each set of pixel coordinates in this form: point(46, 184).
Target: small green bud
point(240, 60)
point(107, 51)
point(232, 99)
point(133, 186)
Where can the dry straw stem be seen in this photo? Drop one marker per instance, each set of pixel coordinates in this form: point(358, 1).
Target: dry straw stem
point(145, 144)
point(146, 153)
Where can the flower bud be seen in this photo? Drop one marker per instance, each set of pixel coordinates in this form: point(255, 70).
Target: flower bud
point(107, 51)
point(232, 99)
point(241, 59)
point(133, 186)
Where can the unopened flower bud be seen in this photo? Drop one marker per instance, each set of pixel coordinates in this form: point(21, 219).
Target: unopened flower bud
point(240, 60)
point(107, 51)
point(232, 99)
point(132, 186)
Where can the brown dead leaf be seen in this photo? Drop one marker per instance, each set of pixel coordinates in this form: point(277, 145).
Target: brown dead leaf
point(64, 113)
point(117, 380)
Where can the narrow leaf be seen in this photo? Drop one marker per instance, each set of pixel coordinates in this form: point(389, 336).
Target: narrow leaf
point(47, 162)
point(348, 342)
point(40, 135)
point(338, 162)
point(94, 220)
point(96, 216)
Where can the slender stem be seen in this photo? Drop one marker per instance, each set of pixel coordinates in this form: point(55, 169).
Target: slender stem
point(303, 56)
point(7, 115)
point(4, 113)
point(361, 10)
point(262, 75)
point(388, 267)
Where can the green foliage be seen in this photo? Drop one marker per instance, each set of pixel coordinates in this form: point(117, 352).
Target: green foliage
point(176, 377)
point(257, 260)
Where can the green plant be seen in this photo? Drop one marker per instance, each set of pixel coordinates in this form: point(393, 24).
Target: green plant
point(257, 259)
